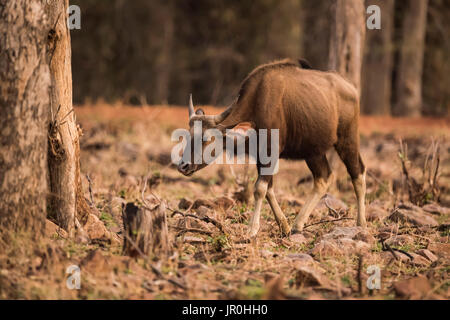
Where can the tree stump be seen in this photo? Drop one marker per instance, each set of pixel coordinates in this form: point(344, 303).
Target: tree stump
point(146, 230)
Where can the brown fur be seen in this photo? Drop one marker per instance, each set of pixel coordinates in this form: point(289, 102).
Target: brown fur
point(313, 110)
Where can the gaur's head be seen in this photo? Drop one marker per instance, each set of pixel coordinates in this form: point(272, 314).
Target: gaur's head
point(200, 126)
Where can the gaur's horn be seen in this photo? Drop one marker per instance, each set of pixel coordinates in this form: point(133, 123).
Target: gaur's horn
point(191, 106)
point(220, 117)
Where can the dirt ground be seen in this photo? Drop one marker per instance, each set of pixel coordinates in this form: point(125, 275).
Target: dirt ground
point(125, 148)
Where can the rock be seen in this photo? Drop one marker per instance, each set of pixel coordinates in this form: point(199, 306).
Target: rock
point(414, 288)
point(298, 238)
point(116, 205)
point(95, 263)
point(95, 228)
point(339, 247)
point(300, 259)
point(354, 233)
point(191, 239)
point(332, 202)
point(419, 261)
point(427, 254)
point(412, 214)
point(52, 230)
point(400, 240)
point(292, 201)
point(130, 150)
point(266, 253)
point(308, 276)
point(387, 257)
point(344, 240)
point(203, 202)
point(274, 288)
point(184, 204)
point(224, 203)
point(376, 213)
point(436, 209)
point(442, 250)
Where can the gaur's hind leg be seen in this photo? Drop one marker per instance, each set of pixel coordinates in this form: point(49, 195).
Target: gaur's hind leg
point(261, 186)
point(278, 213)
point(322, 177)
point(349, 153)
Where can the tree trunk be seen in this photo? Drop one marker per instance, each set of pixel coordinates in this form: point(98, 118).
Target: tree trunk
point(145, 230)
point(348, 27)
point(164, 61)
point(377, 64)
point(24, 109)
point(410, 65)
point(66, 201)
point(315, 33)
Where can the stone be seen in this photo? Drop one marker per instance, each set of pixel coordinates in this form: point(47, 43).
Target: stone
point(292, 201)
point(442, 250)
point(52, 230)
point(266, 253)
point(412, 214)
point(308, 276)
point(338, 205)
point(224, 203)
point(191, 239)
point(342, 240)
point(339, 247)
point(400, 240)
point(419, 260)
point(203, 202)
point(300, 259)
point(414, 288)
point(427, 254)
point(375, 213)
point(436, 209)
point(184, 204)
point(95, 263)
point(95, 227)
point(298, 238)
point(355, 233)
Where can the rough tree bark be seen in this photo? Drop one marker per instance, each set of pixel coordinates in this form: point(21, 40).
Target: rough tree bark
point(24, 109)
point(348, 27)
point(145, 230)
point(377, 64)
point(164, 64)
point(67, 202)
point(408, 85)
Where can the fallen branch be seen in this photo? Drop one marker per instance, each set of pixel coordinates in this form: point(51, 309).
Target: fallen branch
point(204, 218)
point(193, 230)
point(325, 221)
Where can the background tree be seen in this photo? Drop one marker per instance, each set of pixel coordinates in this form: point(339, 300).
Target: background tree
point(348, 25)
point(377, 64)
point(24, 110)
point(67, 202)
point(408, 84)
point(140, 51)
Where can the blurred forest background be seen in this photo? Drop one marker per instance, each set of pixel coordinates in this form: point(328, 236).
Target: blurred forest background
point(156, 52)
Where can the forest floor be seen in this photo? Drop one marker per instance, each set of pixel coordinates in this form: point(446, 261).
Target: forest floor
point(125, 148)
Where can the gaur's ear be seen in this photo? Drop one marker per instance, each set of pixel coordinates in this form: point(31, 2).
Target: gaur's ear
point(200, 112)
